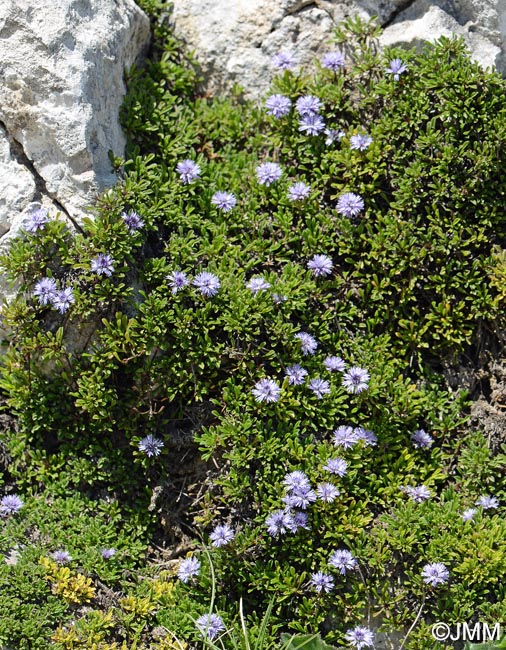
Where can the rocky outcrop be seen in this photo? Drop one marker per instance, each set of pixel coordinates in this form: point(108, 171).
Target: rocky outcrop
point(234, 41)
point(61, 87)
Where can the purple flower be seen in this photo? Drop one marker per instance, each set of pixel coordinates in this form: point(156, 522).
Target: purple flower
point(284, 60)
point(332, 135)
point(308, 343)
point(356, 380)
point(343, 560)
point(188, 170)
point(300, 497)
point(336, 466)
point(177, 280)
point(311, 124)
point(320, 265)
point(298, 192)
point(108, 553)
point(132, 221)
point(207, 283)
point(397, 67)
point(188, 568)
point(300, 520)
point(102, 264)
point(487, 502)
point(345, 437)
point(327, 492)
point(334, 364)
point(266, 390)
point(321, 582)
point(210, 625)
point(268, 173)
point(63, 299)
point(278, 105)
point(255, 285)
point(296, 480)
point(333, 60)
point(367, 436)
point(36, 221)
point(360, 637)
point(350, 204)
point(45, 290)
point(320, 387)
point(421, 439)
point(224, 201)
point(308, 105)
point(278, 298)
point(468, 514)
point(360, 141)
point(222, 535)
point(61, 557)
point(280, 522)
point(10, 504)
point(419, 493)
point(296, 374)
point(435, 574)
point(151, 446)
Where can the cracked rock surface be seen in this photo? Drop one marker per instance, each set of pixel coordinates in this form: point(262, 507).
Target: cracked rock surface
point(234, 41)
point(61, 87)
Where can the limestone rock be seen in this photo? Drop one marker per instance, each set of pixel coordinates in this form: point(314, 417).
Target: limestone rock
point(61, 87)
point(234, 41)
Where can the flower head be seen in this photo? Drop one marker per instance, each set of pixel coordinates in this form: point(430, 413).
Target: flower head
point(333, 61)
point(343, 560)
point(300, 497)
point(332, 135)
point(268, 173)
point(296, 480)
point(336, 466)
point(360, 141)
point(207, 283)
point(108, 553)
point(280, 522)
point(224, 201)
point(421, 439)
point(468, 514)
point(188, 568)
point(435, 574)
point(63, 299)
point(36, 221)
point(188, 170)
point(150, 445)
point(397, 67)
point(368, 437)
point(45, 290)
point(132, 221)
point(300, 520)
point(296, 375)
point(311, 124)
point(320, 265)
point(177, 281)
point(222, 535)
point(350, 204)
point(418, 493)
point(356, 380)
point(267, 390)
point(308, 343)
point(487, 502)
point(308, 105)
point(210, 625)
point(322, 582)
point(320, 387)
point(284, 60)
point(327, 492)
point(10, 504)
point(360, 637)
point(345, 437)
point(278, 105)
point(334, 364)
point(298, 192)
point(61, 557)
point(102, 264)
point(255, 285)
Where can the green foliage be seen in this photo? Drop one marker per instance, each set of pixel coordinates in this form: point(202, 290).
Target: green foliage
point(417, 277)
